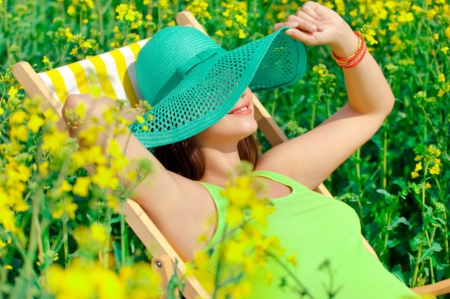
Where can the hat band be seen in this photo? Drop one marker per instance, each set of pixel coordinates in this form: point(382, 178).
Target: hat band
point(182, 71)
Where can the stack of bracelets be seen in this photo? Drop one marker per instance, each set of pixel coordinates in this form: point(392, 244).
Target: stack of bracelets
point(356, 57)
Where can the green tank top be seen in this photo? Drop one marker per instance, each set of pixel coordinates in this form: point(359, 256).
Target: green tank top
point(315, 228)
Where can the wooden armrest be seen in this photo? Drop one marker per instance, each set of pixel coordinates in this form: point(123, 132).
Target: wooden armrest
point(438, 288)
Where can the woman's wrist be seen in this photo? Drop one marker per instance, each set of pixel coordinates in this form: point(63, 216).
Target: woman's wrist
point(346, 43)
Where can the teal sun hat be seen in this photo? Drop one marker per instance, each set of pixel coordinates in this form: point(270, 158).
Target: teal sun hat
point(192, 83)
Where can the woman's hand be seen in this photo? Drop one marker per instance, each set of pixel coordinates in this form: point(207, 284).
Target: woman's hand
point(315, 24)
point(96, 111)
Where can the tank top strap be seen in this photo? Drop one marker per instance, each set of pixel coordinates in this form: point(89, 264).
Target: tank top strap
point(280, 178)
point(221, 206)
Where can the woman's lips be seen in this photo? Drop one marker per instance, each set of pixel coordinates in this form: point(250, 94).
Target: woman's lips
point(242, 109)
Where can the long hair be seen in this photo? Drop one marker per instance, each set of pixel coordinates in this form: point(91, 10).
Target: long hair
point(186, 160)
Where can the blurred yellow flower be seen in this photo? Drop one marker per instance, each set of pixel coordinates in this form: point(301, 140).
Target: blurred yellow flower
point(81, 186)
point(241, 34)
point(418, 167)
point(140, 119)
point(12, 91)
point(444, 50)
point(105, 177)
point(86, 45)
point(99, 232)
point(45, 60)
point(441, 78)
point(35, 123)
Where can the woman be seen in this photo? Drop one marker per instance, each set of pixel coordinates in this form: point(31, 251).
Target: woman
point(213, 119)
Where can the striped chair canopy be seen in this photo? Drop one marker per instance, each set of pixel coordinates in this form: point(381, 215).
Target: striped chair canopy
point(112, 74)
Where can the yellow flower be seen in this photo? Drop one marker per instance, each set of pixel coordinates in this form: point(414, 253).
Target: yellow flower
point(12, 91)
point(45, 60)
point(35, 123)
point(418, 167)
point(293, 259)
point(435, 169)
point(19, 133)
point(71, 10)
point(86, 45)
point(140, 119)
point(18, 117)
point(99, 232)
point(219, 33)
point(441, 78)
point(65, 186)
point(131, 175)
point(43, 168)
point(112, 202)
point(427, 185)
point(444, 50)
point(81, 186)
point(1, 111)
point(418, 158)
point(241, 34)
point(269, 278)
point(53, 140)
point(80, 110)
point(414, 174)
point(105, 177)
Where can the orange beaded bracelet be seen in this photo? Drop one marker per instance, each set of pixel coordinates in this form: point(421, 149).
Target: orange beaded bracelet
point(356, 57)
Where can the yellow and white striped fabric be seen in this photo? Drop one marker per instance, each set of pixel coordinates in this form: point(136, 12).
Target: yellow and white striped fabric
point(112, 74)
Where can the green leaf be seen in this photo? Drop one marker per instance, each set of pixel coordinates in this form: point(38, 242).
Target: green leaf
point(397, 221)
point(427, 253)
point(416, 242)
point(397, 271)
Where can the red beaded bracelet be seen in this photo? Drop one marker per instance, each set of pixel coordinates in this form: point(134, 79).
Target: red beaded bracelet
point(356, 57)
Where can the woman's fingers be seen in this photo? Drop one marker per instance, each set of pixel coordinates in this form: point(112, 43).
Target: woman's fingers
point(288, 24)
point(302, 21)
point(309, 8)
point(305, 22)
point(304, 36)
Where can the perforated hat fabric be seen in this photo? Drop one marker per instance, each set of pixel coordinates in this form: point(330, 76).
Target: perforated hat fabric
point(192, 82)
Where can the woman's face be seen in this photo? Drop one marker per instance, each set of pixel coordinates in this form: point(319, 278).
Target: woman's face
point(236, 125)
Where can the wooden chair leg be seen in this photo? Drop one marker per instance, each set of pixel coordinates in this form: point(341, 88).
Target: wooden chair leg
point(164, 267)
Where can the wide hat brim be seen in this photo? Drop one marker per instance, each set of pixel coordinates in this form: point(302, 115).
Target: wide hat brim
point(212, 88)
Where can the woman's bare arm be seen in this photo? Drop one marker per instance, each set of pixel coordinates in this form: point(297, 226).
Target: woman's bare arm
point(178, 206)
point(312, 157)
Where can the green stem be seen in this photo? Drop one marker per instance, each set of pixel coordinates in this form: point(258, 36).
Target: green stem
point(106, 249)
point(290, 273)
point(384, 181)
point(65, 242)
point(219, 264)
point(386, 237)
point(313, 114)
point(124, 240)
point(446, 236)
point(416, 268)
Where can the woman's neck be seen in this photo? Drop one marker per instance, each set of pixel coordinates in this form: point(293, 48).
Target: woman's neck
point(219, 163)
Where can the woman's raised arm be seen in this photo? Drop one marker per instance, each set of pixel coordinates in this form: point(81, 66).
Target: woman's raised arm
point(312, 157)
point(178, 206)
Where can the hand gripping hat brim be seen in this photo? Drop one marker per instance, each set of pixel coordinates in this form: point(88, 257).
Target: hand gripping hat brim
point(192, 82)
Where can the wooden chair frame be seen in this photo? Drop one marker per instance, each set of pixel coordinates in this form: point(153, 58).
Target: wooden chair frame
point(164, 256)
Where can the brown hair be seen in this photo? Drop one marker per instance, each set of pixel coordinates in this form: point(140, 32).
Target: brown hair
point(186, 160)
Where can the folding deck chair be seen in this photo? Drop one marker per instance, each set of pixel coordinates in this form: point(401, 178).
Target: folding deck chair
point(114, 72)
